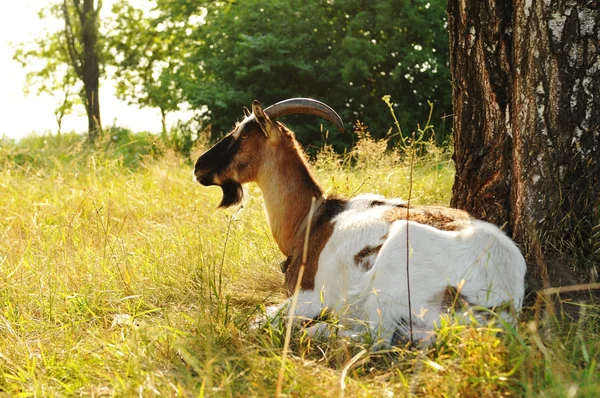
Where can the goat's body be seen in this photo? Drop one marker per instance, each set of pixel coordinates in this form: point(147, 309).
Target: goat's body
point(362, 270)
point(356, 262)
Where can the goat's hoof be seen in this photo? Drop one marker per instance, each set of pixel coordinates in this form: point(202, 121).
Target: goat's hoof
point(318, 330)
point(270, 316)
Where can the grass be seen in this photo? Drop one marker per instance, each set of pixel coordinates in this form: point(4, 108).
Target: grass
point(118, 277)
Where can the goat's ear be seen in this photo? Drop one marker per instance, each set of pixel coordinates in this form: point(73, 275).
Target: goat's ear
point(263, 120)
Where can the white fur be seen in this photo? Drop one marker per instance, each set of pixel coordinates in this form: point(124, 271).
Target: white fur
point(240, 127)
point(479, 259)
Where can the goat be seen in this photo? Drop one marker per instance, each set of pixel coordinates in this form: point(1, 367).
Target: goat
point(356, 260)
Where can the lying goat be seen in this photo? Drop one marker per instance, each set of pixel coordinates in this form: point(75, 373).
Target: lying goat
point(356, 262)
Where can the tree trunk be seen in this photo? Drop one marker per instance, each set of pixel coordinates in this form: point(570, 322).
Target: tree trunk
point(163, 120)
point(82, 45)
point(526, 97)
point(59, 118)
point(92, 105)
point(91, 66)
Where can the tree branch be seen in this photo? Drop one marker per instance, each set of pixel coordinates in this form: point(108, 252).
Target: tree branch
point(70, 40)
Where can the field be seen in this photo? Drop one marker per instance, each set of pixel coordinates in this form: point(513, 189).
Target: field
point(119, 277)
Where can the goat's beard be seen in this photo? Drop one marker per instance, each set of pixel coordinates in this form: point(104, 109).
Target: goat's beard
point(233, 193)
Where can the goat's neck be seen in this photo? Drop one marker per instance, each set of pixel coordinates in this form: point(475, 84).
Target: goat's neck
point(287, 187)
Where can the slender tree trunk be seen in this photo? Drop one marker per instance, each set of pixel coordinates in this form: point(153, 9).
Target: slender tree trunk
point(82, 45)
point(92, 107)
point(526, 96)
point(163, 120)
point(91, 66)
point(59, 119)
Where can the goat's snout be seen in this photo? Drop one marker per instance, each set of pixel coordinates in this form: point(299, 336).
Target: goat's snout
point(215, 160)
point(202, 172)
point(198, 168)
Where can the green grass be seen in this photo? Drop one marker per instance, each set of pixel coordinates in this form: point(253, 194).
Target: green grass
point(116, 279)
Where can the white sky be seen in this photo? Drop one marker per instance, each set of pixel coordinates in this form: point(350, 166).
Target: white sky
point(21, 115)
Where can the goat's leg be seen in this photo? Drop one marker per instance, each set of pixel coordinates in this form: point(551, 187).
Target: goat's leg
point(308, 307)
point(380, 320)
point(387, 319)
point(424, 325)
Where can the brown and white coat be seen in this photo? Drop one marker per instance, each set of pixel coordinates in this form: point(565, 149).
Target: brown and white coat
point(357, 252)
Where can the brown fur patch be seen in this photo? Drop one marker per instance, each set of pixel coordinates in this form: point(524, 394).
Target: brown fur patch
point(443, 218)
point(287, 185)
point(362, 257)
point(451, 300)
point(321, 230)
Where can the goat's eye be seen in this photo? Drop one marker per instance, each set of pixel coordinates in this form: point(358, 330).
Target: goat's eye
point(244, 135)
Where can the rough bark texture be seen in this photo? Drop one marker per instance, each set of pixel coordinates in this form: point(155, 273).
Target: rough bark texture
point(82, 41)
point(481, 52)
point(526, 96)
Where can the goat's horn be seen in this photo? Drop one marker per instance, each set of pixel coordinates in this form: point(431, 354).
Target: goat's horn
point(305, 105)
point(247, 112)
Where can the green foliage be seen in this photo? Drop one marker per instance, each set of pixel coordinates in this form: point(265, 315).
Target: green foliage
point(47, 151)
point(219, 56)
point(216, 57)
point(348, 53)
point(52, 72)
point(185, 135)
point(132, 148)
point(145, 53)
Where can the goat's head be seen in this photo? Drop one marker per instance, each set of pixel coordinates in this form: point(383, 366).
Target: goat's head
point(238, 157)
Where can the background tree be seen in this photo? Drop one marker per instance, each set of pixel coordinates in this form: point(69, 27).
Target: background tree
point(51, 73)
point(145, 52)
point(81, 19)
point(219, 56)
point(348, 53)
point(526, 80)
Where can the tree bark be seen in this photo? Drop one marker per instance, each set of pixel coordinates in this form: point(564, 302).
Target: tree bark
point(163, 121)
point(526, 97)
point(88, 17)
point(82, 44)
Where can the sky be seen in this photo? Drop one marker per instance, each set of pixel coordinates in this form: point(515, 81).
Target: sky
point(22, 114)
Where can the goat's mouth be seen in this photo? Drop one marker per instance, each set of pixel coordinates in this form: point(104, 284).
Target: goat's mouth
point(205, 178)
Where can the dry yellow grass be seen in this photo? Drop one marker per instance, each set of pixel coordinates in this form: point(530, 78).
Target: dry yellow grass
point(115, 280)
